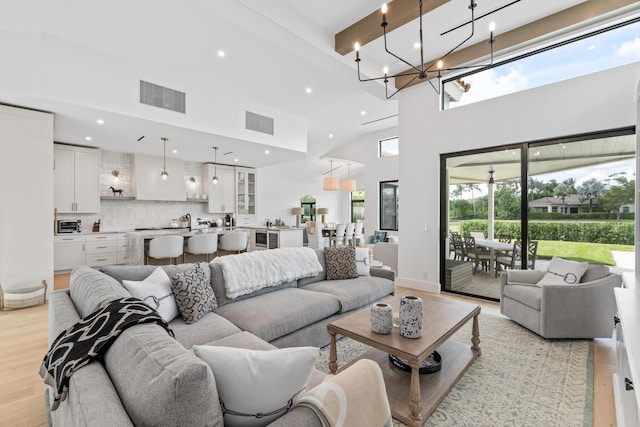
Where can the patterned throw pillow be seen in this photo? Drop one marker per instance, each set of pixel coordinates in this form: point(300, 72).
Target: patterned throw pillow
point(341, 263)
point(193, 293)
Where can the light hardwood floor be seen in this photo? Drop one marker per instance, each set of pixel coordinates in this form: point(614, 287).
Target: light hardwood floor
point(23, 338)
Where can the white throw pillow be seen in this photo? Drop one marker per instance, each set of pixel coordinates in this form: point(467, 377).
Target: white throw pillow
point(563, 272)
point(258, 381)
point(362, 261)
point(155, 289)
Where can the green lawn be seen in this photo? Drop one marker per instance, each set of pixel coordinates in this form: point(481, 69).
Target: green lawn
point(597, 253)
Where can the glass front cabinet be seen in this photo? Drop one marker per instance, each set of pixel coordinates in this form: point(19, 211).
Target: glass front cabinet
point(245, 196)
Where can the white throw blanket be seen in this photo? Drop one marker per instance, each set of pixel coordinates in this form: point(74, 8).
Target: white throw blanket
point(251, 271)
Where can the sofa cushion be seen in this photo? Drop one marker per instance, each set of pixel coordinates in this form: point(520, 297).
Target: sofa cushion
point(563, 272)
point(354, 293)
point(526, 294)
point(155, 291)
point(258, 381)
point(341, 263)
point(595, 272)
point(90, 289)
point(210, 327)
point(217, 283)
point(159, 382)
point(320, 276)
point(192, 291)
point(362, 261)
point(140, 272)
point(275, 314)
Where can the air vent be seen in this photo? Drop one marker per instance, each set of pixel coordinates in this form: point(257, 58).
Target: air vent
point(259, 123)
point(162, 97)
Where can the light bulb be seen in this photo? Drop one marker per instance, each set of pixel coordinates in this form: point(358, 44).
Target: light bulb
point(440, 64)
point(385, 70)
point(356, 46)
point(164, 174)
point(492, 26)
point(214, 179)
point(384, 8)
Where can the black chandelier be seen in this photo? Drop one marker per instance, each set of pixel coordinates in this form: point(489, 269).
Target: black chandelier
point(436, 68)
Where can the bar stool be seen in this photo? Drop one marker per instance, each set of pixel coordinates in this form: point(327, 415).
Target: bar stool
point(202, 244)
point(235, 241)
point(165, 247)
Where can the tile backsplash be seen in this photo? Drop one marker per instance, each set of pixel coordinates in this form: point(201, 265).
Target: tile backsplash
point(125, 214)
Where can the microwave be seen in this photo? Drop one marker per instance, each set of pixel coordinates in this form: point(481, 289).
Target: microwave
point(69, 226)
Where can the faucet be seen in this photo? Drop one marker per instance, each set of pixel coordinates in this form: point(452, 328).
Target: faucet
point(188, 217)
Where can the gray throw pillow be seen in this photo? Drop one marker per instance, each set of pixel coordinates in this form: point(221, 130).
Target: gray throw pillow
point(595, 272)
point(193, 293)
point(341, 263)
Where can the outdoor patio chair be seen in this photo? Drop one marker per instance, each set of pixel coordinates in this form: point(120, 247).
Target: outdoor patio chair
point(478, 235)
point(476, 254)
point(512, 260)
point(504, 238)
point(458, 246)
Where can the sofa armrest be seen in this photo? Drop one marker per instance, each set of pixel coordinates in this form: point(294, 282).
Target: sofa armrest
point(522, 277)
point(383, 272)
point(583, 310)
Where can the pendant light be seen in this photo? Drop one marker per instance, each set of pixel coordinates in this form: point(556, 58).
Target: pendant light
point(164, 174)
point(215, 166)
point(331, 183)
point(349, 184)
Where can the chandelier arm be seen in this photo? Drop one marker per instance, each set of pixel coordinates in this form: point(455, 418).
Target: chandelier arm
point(421, 43)
point(437, 89)
point(384, 34)
point(473, 29)
point(403, 86)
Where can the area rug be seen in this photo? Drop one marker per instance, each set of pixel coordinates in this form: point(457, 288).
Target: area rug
point(520, 379)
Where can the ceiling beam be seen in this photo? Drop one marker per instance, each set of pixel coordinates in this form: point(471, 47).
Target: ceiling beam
point(368, 28)
point(542, 27)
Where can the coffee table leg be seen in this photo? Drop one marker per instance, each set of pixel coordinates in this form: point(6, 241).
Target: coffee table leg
point(333, 354)
point(475, 338)
point(415, 405)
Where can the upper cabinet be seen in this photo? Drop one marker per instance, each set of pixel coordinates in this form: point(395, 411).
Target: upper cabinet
point(222, 195)
point(75, 177)
point(245, 196)
point(149, 184)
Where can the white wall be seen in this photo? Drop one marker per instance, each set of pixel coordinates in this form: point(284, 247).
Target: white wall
point(365, 150)
point(278, 192)
point(26, 204)
point(595, 102)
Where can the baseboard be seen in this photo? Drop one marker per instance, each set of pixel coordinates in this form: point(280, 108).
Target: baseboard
point(419, 285)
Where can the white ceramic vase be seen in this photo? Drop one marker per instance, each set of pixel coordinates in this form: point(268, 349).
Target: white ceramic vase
point(381, 318)
point(411, 316)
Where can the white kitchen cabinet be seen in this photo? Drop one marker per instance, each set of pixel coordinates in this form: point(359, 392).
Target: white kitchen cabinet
point(68, 251)
point(222, 195)
point(75, 179)
point(149, 184)
point(100, 249)
point(245, 196)
point(122, 246)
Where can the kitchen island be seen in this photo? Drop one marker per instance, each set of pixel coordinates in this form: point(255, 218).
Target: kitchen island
point(275, 237)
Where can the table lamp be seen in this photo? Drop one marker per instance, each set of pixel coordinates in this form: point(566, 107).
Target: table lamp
point(323, 212)
point(297, 212)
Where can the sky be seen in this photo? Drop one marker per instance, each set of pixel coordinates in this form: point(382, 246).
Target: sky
point(607, 50)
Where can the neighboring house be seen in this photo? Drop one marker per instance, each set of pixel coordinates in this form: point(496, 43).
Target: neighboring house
point(570, 204)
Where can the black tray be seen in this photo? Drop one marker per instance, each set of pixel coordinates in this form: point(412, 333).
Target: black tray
point(430, 365)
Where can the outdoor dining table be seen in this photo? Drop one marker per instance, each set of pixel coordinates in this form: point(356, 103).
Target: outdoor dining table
point(494, 245)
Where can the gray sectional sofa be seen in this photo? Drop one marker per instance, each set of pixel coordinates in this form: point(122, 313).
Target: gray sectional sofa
point(147, 378)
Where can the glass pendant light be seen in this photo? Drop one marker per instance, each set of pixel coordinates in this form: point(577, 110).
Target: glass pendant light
point(164, 174)
point(215, 166)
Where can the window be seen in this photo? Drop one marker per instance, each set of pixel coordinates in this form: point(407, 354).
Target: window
point(357, 205)
point(389, 200)
point(388, 147)
point(595, 51)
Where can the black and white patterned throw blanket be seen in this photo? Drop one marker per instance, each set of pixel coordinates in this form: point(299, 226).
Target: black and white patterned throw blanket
point(90, 338)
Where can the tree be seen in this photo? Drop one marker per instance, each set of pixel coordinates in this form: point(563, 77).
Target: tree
point(471, 188)
point(565, 188)
point(619, 191)
point(456, 193)
point(507, 199)
point(590, 189)
point(461, 209)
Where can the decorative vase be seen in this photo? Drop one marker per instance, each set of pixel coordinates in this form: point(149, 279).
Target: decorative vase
point(381, 318)
point(411, 316)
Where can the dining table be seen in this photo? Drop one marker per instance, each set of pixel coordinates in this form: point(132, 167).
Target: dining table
point(493, 246)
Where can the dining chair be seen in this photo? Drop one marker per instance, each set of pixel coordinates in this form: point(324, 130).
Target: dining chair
point(349, 234)
point(339, 235)
point(478, 256)
point(202, 244)
point(165, 247)
point(458, 246)
point(478, 235)
point(359, 233)
point(514, 260)
point(504, 238)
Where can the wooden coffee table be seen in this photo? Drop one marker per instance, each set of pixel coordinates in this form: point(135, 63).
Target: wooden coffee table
point(413, 397)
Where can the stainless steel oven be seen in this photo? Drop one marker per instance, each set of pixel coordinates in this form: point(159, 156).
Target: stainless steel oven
point(69, 226)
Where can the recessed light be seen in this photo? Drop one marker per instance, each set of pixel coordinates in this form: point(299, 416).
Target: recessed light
point(175, 151)
point(221, 53)
point(235, 160)
point(363, 112)
point(330, 135)
point(100, 121)
point(266, 151)
point(88, 138)
point(308, 90)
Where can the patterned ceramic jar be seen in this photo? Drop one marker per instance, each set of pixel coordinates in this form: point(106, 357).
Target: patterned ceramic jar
point(381, 318)
point(411, 316)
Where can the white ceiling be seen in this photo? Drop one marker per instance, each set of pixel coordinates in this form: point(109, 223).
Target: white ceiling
point(275, 49)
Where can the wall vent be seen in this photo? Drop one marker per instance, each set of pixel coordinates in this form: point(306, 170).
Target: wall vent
point(259, 123)
point(162, 97)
